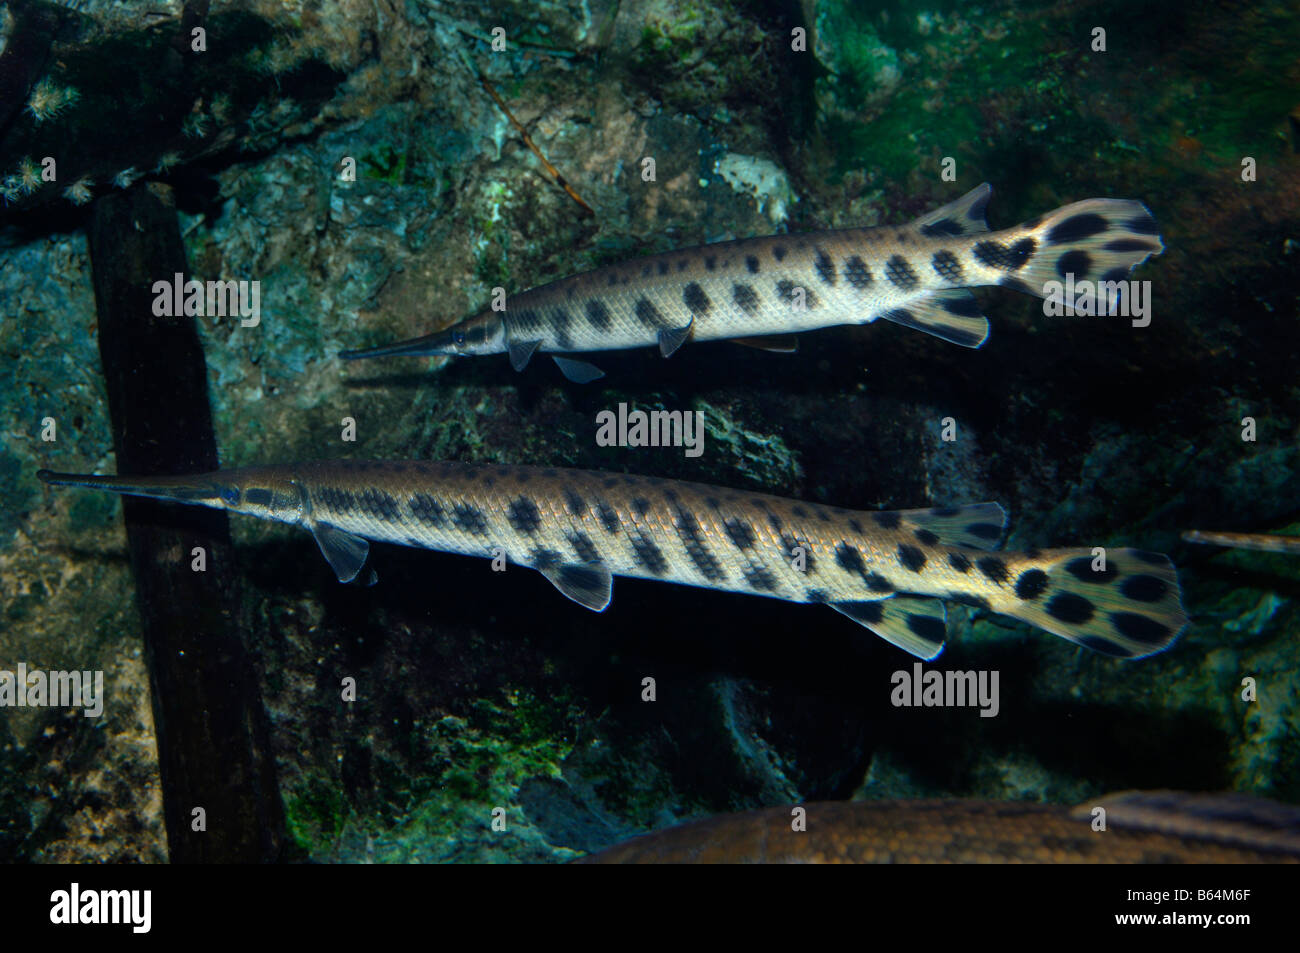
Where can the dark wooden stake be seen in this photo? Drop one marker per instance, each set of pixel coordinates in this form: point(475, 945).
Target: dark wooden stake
point(213, 736)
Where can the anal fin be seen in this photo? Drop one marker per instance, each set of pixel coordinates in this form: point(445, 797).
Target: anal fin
point(918, 626)
point(345, 552)
point(953, 315)
point(588, 584)
point(580, 372)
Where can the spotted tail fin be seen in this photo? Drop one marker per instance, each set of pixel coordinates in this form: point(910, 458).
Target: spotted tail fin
point(1127, 605)
point(1098, 240)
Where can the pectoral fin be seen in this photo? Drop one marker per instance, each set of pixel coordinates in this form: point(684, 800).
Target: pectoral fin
point(588, 584)
point(670, 339)
point(521, 352)
point(580, 372)
point(345, 552)
point(918, 626)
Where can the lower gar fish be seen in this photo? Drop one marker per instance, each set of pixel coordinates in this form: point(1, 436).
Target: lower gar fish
point(1142, 827)
point(890, 571)
point(750, 290)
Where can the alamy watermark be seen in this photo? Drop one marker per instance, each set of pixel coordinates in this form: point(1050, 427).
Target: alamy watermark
point(1130, 299)
point(212, 299)
point(655, 428)
point(55, 689)
point(952, 689)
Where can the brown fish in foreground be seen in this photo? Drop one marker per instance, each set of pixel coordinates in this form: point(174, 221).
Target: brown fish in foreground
point(761, 291)
point(1156, 827)
point(889, 571)
point(1260, 542)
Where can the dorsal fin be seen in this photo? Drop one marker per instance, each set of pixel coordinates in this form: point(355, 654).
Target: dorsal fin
point(965, 216)
point(978, 526)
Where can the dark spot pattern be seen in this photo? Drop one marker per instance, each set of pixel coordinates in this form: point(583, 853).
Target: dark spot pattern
point(967, 599)
point(1005, 257)
point(1143, 224)
point(648, 314)
point(608, 516)
point(1074, 262)
point(926, 537)
point(695, 299)
point(640, 506)
point(959, 562)
point(1102, 646)
point(946, 266)
point(1081, 569)
point(710, 262)
point(1031, 584)
point(791, 544)
point(740, 532)
point(994, 569)
point(778, 252)
point(526, 321)
point(945, 226)
point(1144, 588)
point(469, 519)
point(544, 558)
point(647, 555)
point(856, 273)
point(1070, 608)
point(688, 529)
point(911, 557)
point(524, 516)
point(1139, 628)
point(1076, 228)
point(573, 501)
point(583, 548)
point(751, 263)
point(378, 504)
point(900, 274)
point(338, 501)
point(598, 315)
point(560, 327)
point(258, 497)
point(962, 304)
point(815, 595)
point(759, 579)
point(928, 627)
point(877, 583)
point(426, 509)
point(745, 297)
point(1129, 244)
point(887, 519)
point(989, 531)
point(825, 267)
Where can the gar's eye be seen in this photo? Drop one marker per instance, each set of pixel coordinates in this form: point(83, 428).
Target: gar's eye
point(230, 495)
point(459, 338)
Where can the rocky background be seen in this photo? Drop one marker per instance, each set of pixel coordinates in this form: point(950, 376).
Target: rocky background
point(479, 691)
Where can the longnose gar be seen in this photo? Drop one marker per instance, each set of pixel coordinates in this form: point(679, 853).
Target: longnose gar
point(915, 275)
point(1156, 827)
point(1260, 542)
point(889, 571)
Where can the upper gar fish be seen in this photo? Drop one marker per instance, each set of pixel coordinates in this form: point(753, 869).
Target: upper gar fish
point(1142, 827)
point(916, 275)
point(890, 571)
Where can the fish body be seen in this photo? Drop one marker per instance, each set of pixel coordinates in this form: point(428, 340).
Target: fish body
point(1158, 827)
point(889, 571)
point(1260, 542)
point(917, 275)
